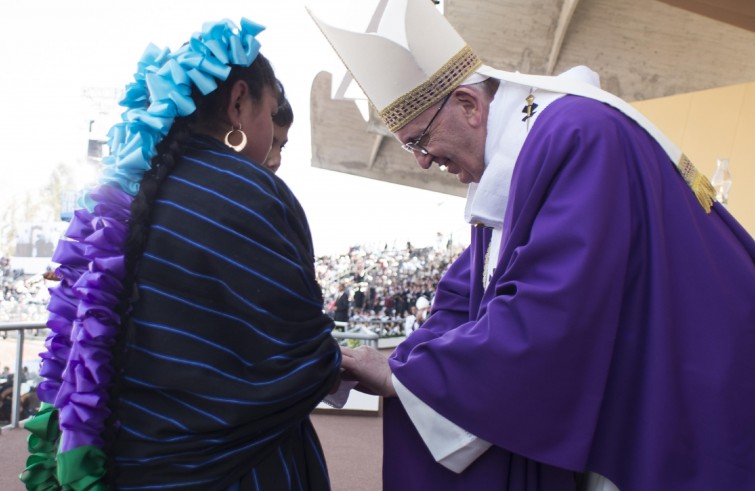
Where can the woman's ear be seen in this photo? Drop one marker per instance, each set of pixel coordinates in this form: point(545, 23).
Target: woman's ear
point(239, 92)
point(471, 104)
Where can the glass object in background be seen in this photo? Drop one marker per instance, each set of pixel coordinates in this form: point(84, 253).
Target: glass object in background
point(721, 181)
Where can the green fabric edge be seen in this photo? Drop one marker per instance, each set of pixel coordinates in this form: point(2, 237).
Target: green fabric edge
point(80, 469)
point(40, 473)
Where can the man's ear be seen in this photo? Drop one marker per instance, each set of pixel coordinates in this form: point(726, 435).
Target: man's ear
point(239, 91)
point(471, 104)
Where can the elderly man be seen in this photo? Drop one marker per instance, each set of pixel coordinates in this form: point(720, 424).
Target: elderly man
point(598, 333)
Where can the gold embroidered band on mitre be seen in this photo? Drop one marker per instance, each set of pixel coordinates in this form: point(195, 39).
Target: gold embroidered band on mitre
point(399, 112)
point(699, 184)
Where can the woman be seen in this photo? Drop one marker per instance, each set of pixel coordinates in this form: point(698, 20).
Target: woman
point(282, 120)
point(188, 342)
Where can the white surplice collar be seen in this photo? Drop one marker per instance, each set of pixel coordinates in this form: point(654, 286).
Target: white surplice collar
point(507, 129)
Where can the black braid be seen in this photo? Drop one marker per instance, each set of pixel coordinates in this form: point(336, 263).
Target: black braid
point(168, 153)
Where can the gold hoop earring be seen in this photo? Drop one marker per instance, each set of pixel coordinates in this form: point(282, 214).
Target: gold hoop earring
point(241, 145)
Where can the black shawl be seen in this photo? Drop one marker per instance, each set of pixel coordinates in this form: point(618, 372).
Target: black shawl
point(229, 349)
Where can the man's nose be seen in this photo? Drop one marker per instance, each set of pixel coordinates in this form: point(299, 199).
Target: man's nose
point(424, 160)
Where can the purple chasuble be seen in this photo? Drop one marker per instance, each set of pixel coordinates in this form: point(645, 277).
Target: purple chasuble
point(617, 334)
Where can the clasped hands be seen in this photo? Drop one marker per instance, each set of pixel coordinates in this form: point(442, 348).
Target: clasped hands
point(369, 368)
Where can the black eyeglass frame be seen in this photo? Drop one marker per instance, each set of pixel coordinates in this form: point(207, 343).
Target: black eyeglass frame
point(414, 145)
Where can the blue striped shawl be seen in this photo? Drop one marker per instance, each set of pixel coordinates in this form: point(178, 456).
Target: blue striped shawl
point(228, 350)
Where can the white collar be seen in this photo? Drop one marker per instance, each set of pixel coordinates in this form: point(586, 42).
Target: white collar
point(507, 129)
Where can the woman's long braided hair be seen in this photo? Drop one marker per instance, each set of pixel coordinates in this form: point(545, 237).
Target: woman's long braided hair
point(209, 116)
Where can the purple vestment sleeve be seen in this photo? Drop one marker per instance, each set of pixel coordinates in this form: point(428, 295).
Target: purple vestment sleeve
point(607, 341)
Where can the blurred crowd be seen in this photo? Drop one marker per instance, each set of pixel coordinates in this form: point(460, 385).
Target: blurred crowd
point(389, 290)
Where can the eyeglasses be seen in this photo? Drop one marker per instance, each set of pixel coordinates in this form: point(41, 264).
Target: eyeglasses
point(415, 145)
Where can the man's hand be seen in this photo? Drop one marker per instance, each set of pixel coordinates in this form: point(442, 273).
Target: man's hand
point(370, 368)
